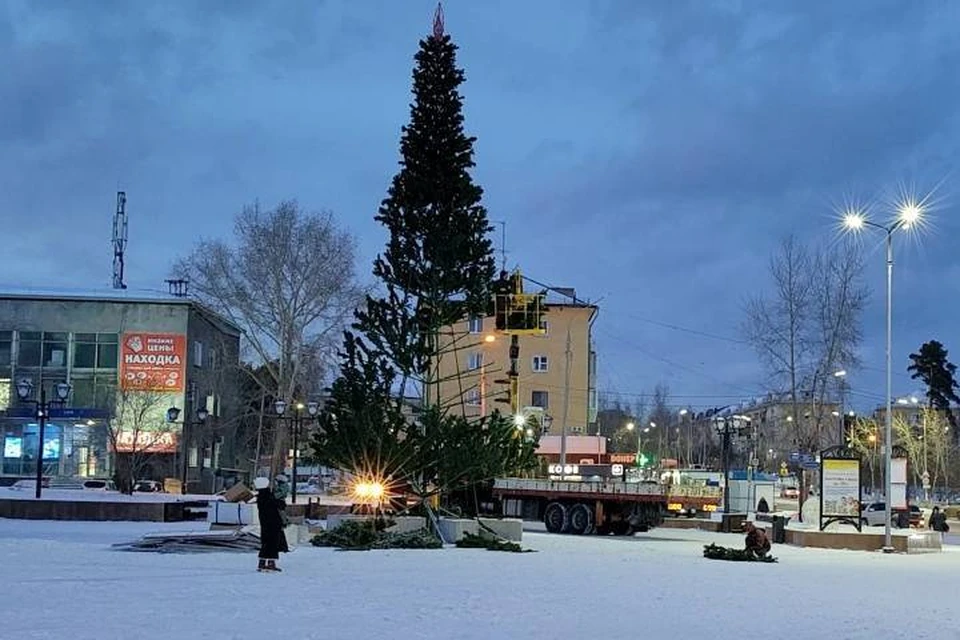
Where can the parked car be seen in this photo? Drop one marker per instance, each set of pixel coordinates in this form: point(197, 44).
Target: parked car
point(874, 514)
point(790, 493)
point(148, 486)
point(95, 484)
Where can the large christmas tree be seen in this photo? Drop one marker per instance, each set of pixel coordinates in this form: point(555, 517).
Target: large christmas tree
point(437, 269)
point(438, 264)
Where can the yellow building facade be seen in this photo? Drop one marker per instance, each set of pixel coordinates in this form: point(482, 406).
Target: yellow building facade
point(473, 369)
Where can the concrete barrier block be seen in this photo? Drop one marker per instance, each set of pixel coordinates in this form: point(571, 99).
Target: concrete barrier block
point(925, 542)
point(404, 524)
point(452, 529)
point(506, 528)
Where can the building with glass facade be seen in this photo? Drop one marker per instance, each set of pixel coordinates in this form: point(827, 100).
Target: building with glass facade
point(128, 357)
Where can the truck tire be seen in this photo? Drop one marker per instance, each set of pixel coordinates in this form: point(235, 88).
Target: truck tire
point(556, 518)
point(581, 519)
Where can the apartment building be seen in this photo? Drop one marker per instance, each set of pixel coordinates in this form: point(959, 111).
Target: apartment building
point(473, 370)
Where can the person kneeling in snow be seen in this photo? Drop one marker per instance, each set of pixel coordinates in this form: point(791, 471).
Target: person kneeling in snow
point(757, 542)
point(272, 538)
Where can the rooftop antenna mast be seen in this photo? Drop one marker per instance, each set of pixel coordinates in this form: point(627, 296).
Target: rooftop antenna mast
point(119, 240)
point(503, 243)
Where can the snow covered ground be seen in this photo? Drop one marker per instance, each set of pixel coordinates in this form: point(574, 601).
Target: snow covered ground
point(61, 580)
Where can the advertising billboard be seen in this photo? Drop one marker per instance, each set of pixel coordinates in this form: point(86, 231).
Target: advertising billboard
point(153, 362)
point(840, 484)
point(137, 441)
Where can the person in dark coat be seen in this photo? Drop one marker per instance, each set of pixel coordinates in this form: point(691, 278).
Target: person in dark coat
point(938, 521)
point(762, 506)
point(272, 539)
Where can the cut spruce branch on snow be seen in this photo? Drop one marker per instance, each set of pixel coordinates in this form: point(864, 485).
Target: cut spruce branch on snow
point(371, 534)
point(716, 552)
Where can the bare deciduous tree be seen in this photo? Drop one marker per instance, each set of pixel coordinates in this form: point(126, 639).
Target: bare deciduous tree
point(288, 280)
point(807, 328)
point(138, 432)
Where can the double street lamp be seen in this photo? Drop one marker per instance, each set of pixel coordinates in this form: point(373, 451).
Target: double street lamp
point(173, 414)
point(909, 215)
point(41, 413)
point(726, 426)
point(296, 422)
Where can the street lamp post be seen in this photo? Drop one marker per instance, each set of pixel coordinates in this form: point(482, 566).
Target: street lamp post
point(726, 426)
point(41, 413)
point(173, 414)
point(487, 339)
point(296, 422)
point(909, 214)
point(841, 377)
point(683, 436)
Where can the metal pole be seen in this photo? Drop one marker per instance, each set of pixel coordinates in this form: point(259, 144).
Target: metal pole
point(186, 455)
point(483, 386)
point(841, 439)
point(42, 418)
point(566, 403)
point(888, 418)
point(293, 480)
point(726, 467)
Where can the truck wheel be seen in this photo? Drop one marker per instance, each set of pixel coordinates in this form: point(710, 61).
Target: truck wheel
point(581, 519)
point(556, 518)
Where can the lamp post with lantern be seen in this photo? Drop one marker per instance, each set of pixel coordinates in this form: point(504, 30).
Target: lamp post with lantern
point(727, 426)
point(41, 413)
point(296, 423)
point(173, 415)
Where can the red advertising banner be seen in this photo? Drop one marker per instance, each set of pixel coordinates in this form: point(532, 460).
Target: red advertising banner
point(144, 441)
point(153, 362)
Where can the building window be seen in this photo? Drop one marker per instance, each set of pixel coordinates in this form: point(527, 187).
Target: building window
point(197, 353)
point(106, 351)
point(475, 360)
point(473, 397)
point(540, 364)
point(6, 348)
point(28, 348)
point(54, 350)
point(545, 325)
point(95, 351)
point(539, 399)
point(89, 391)
point(84, 351)
point(475, 324)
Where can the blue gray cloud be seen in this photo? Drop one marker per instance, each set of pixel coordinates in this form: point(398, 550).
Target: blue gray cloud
point(649, 154)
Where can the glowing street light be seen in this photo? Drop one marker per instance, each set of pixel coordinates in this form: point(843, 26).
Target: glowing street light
point(909, 214)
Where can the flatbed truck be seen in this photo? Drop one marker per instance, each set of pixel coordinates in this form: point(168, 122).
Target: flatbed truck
point(604, 507)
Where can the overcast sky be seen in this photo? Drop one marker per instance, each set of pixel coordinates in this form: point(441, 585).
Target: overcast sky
point(649, 154)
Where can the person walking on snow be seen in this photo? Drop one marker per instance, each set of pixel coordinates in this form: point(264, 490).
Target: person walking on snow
point(938, 521)
point(272, 539)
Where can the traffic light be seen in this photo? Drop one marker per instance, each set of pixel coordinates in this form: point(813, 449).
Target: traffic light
point(643, 460)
